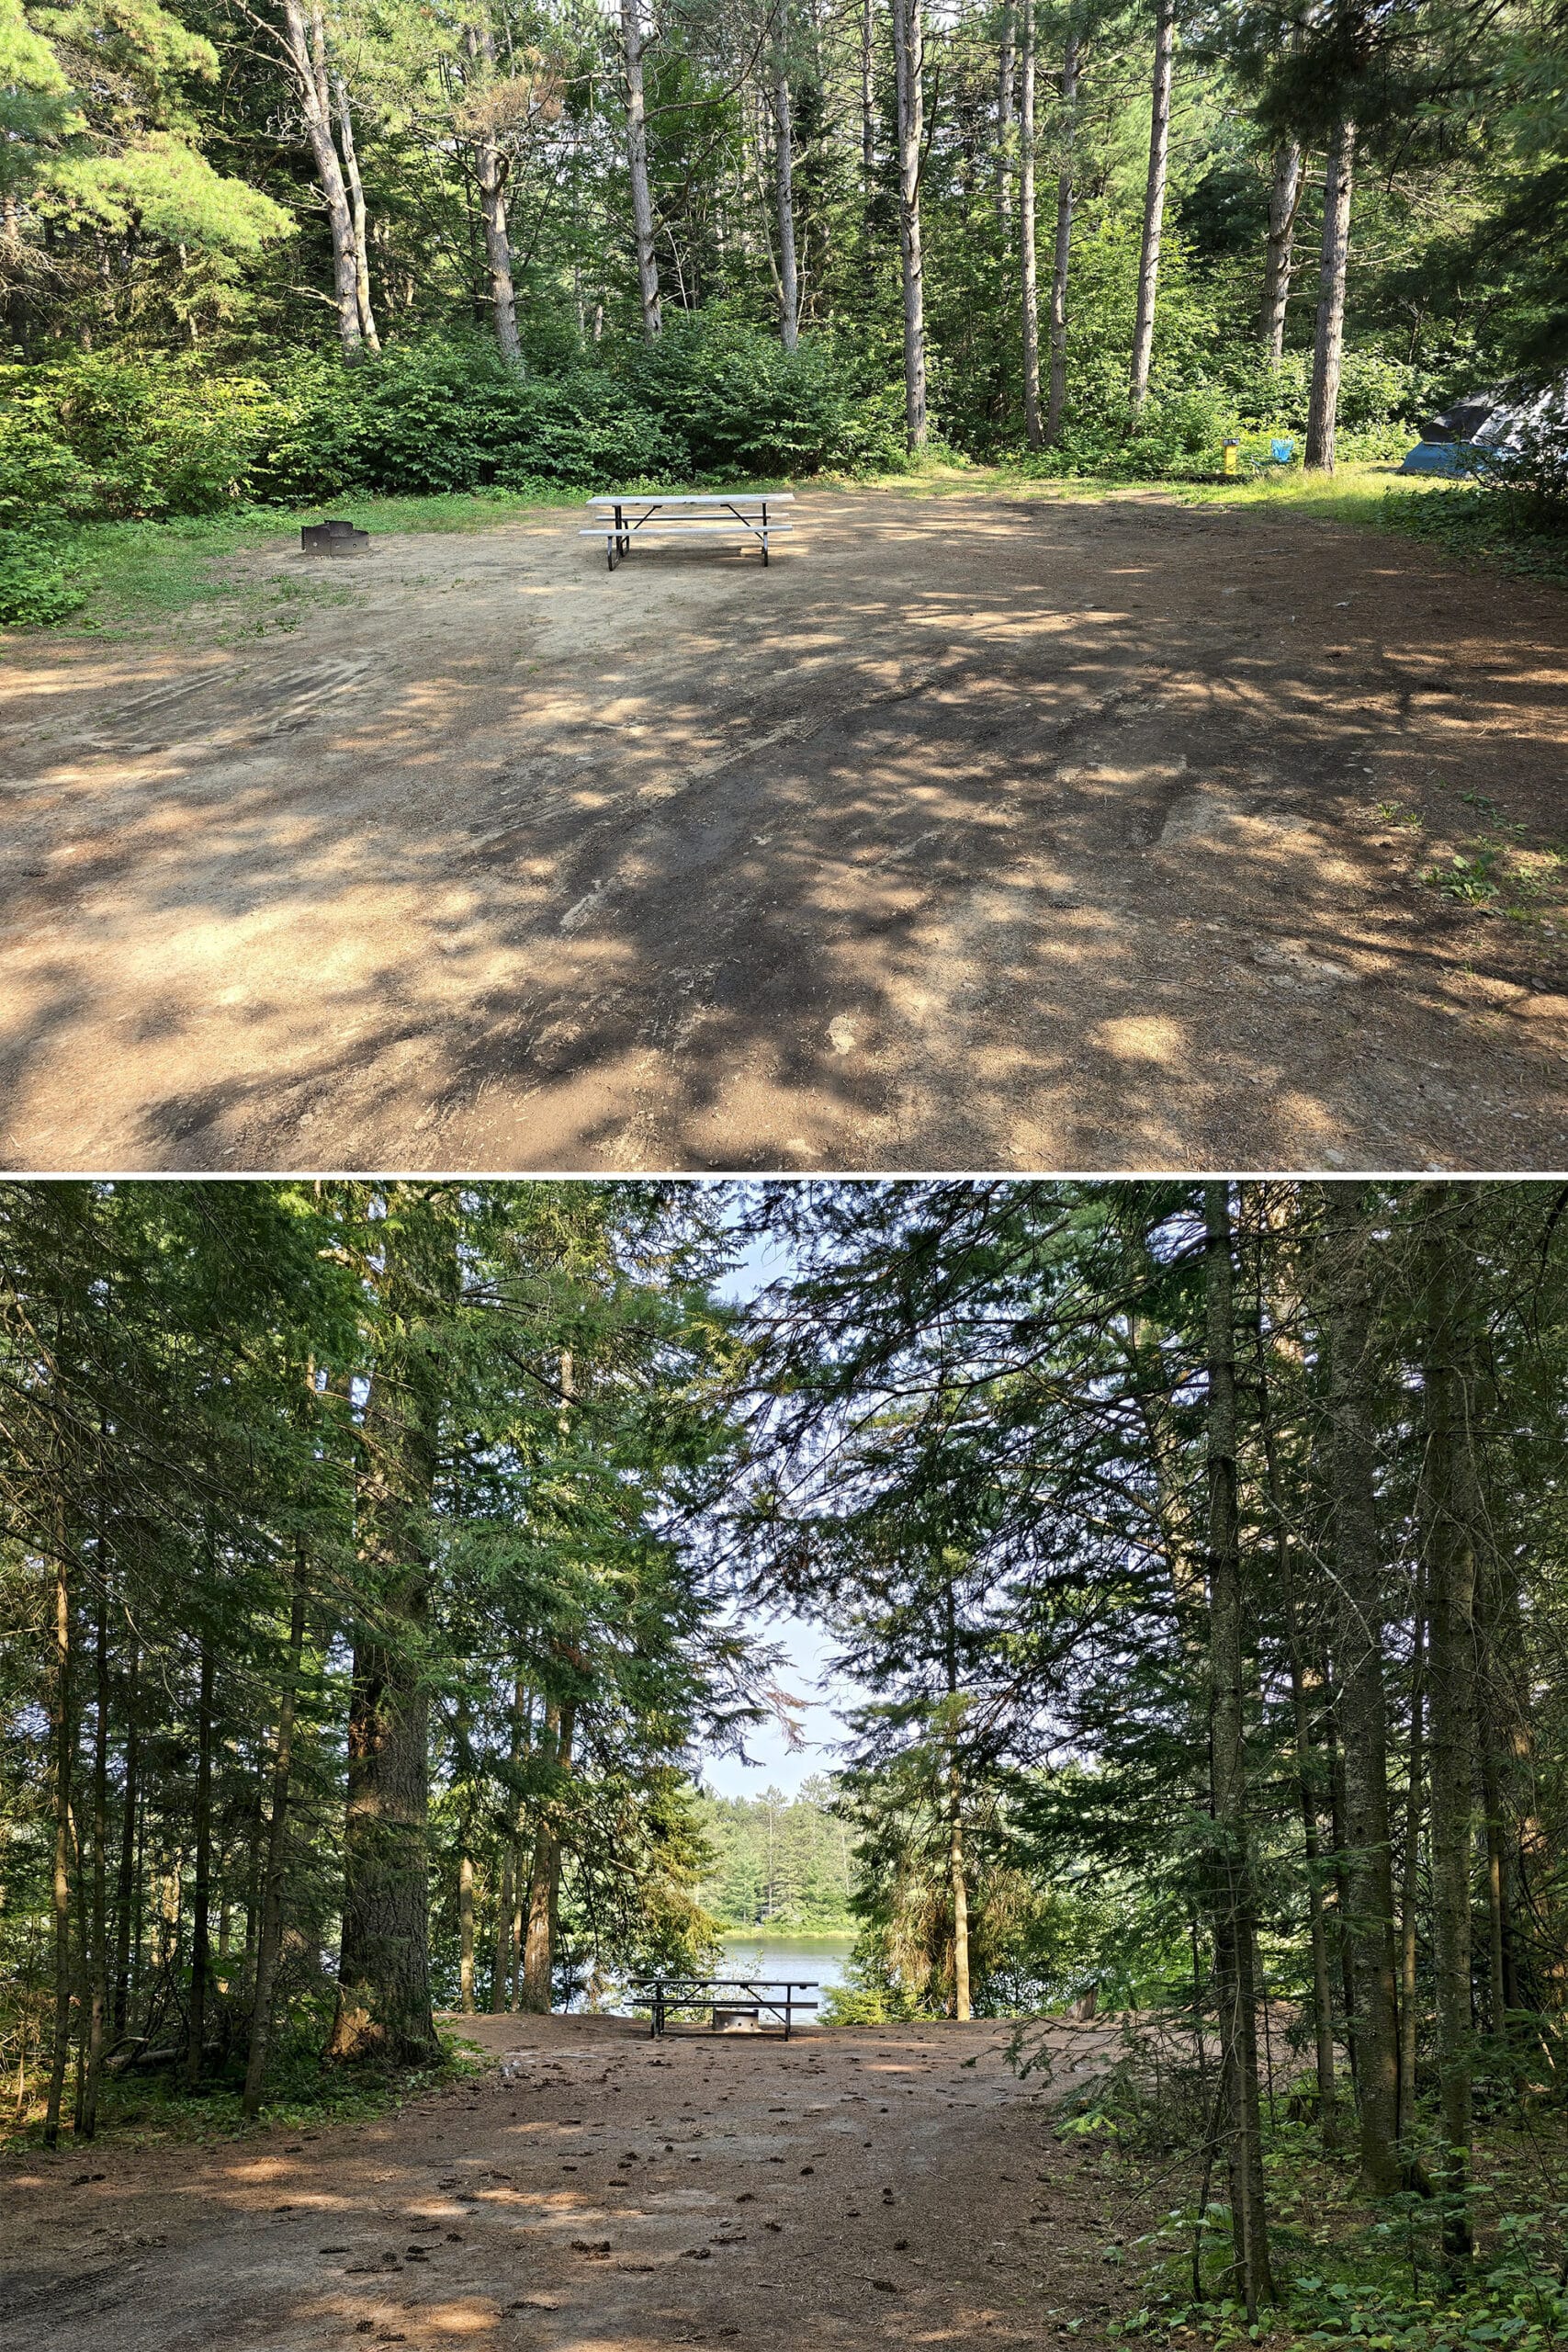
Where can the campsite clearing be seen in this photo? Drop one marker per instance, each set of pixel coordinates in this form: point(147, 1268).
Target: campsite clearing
point(881, 2184)
point(986, 829)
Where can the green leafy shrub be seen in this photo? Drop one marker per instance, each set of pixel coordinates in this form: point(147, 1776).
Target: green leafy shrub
point(43, 488)
point(741, 404)
point(158, 438)
point(41, 578)
point(452, 417)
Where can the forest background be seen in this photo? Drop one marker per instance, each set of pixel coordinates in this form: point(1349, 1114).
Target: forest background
point(299, 249)
point(378, 1560)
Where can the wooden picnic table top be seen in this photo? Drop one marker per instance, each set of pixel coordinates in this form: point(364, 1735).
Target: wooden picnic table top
point(699, 498)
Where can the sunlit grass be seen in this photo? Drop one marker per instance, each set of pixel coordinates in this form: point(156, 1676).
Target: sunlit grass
point(146, 575)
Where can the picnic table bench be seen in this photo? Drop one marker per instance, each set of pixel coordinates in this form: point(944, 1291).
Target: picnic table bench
point(690, 515)
point(775, 1994)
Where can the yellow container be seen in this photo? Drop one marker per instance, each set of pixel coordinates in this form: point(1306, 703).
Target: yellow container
point(1230, 457)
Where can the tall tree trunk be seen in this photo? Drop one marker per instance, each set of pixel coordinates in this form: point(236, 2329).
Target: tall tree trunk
point(1360, 1621)
point(867, 102)
point(1410, 1869)
point(465, 1934)
point(1236, 1969)
point(1006, 62)
point(1153, 201)
point(637, 162)
point(1056, 397)
point(62, 1743)
point(1323, 408)
point(960, 1891)
point(1451, 1512)
point(491, 171)
point(356, 207)
point(269, 1946)
point(201, 1928)
point(1284, 199)
point(1503, 1727)
point(1029, 284)
point(1306, 1779)
point(909, 44)
point(126, 1881)
point(784, 173)
point(99, 1968)
point(501, 1972)
point(304, 51)
point(543, 1881)
point(956, 1877)
point(384, 2005)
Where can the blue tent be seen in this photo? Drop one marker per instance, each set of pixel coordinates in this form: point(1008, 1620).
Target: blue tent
point(1445, 457)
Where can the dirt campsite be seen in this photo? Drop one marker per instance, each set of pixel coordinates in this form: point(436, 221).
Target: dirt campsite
point(597, 2191)
point(984, 829)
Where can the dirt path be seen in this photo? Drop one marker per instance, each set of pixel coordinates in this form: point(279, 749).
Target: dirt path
point(980, 831)
point(600, 2193)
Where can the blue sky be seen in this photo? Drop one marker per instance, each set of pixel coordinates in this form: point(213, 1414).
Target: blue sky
point(806, 1647)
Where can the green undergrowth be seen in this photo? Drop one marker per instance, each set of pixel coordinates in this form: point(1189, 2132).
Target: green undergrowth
point(156, 2110)
point(134, 575)
point(1350, 2271)
point(1482, 525)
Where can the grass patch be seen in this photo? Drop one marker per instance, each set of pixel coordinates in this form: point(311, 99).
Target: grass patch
point(143, 575)
point(156, 2110)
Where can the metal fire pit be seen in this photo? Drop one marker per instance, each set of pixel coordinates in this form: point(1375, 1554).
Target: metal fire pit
point(333, 538)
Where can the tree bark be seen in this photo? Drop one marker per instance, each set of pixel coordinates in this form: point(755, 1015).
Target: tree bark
point(63, 1742)
point(304, 51)
point(125, 1879)
point(909, 38)
point(465, 1934)
point(501, 1972)
point(98, 2014)
point(1153, 201)
point(637, 163)
point(537, 1990)
point(1329, 347)
point(1284, 200)
point(1410, 1868)
point(1235, 1972)
point(1503, 1730)
point(269, 1944)
point(1029, 283)
point(783, 167)
point(201, 1928)
point(1006, 64)
point(1450, 1513)
point(1360, 1616)
point(356, 207)
point(1306, 1783)
point(384, 2005)
point(491, 170)
point(957, 1882)
point(1056, 395)
point(867, 103)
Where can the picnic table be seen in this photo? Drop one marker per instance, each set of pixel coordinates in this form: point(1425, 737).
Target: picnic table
point(775, 1994)
point(691, 514)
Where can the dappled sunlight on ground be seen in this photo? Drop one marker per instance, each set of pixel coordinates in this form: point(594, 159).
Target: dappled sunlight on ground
point(892, 2184)
point(976, 830)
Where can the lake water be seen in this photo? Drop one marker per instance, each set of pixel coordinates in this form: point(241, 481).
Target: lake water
point(823, 1960)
